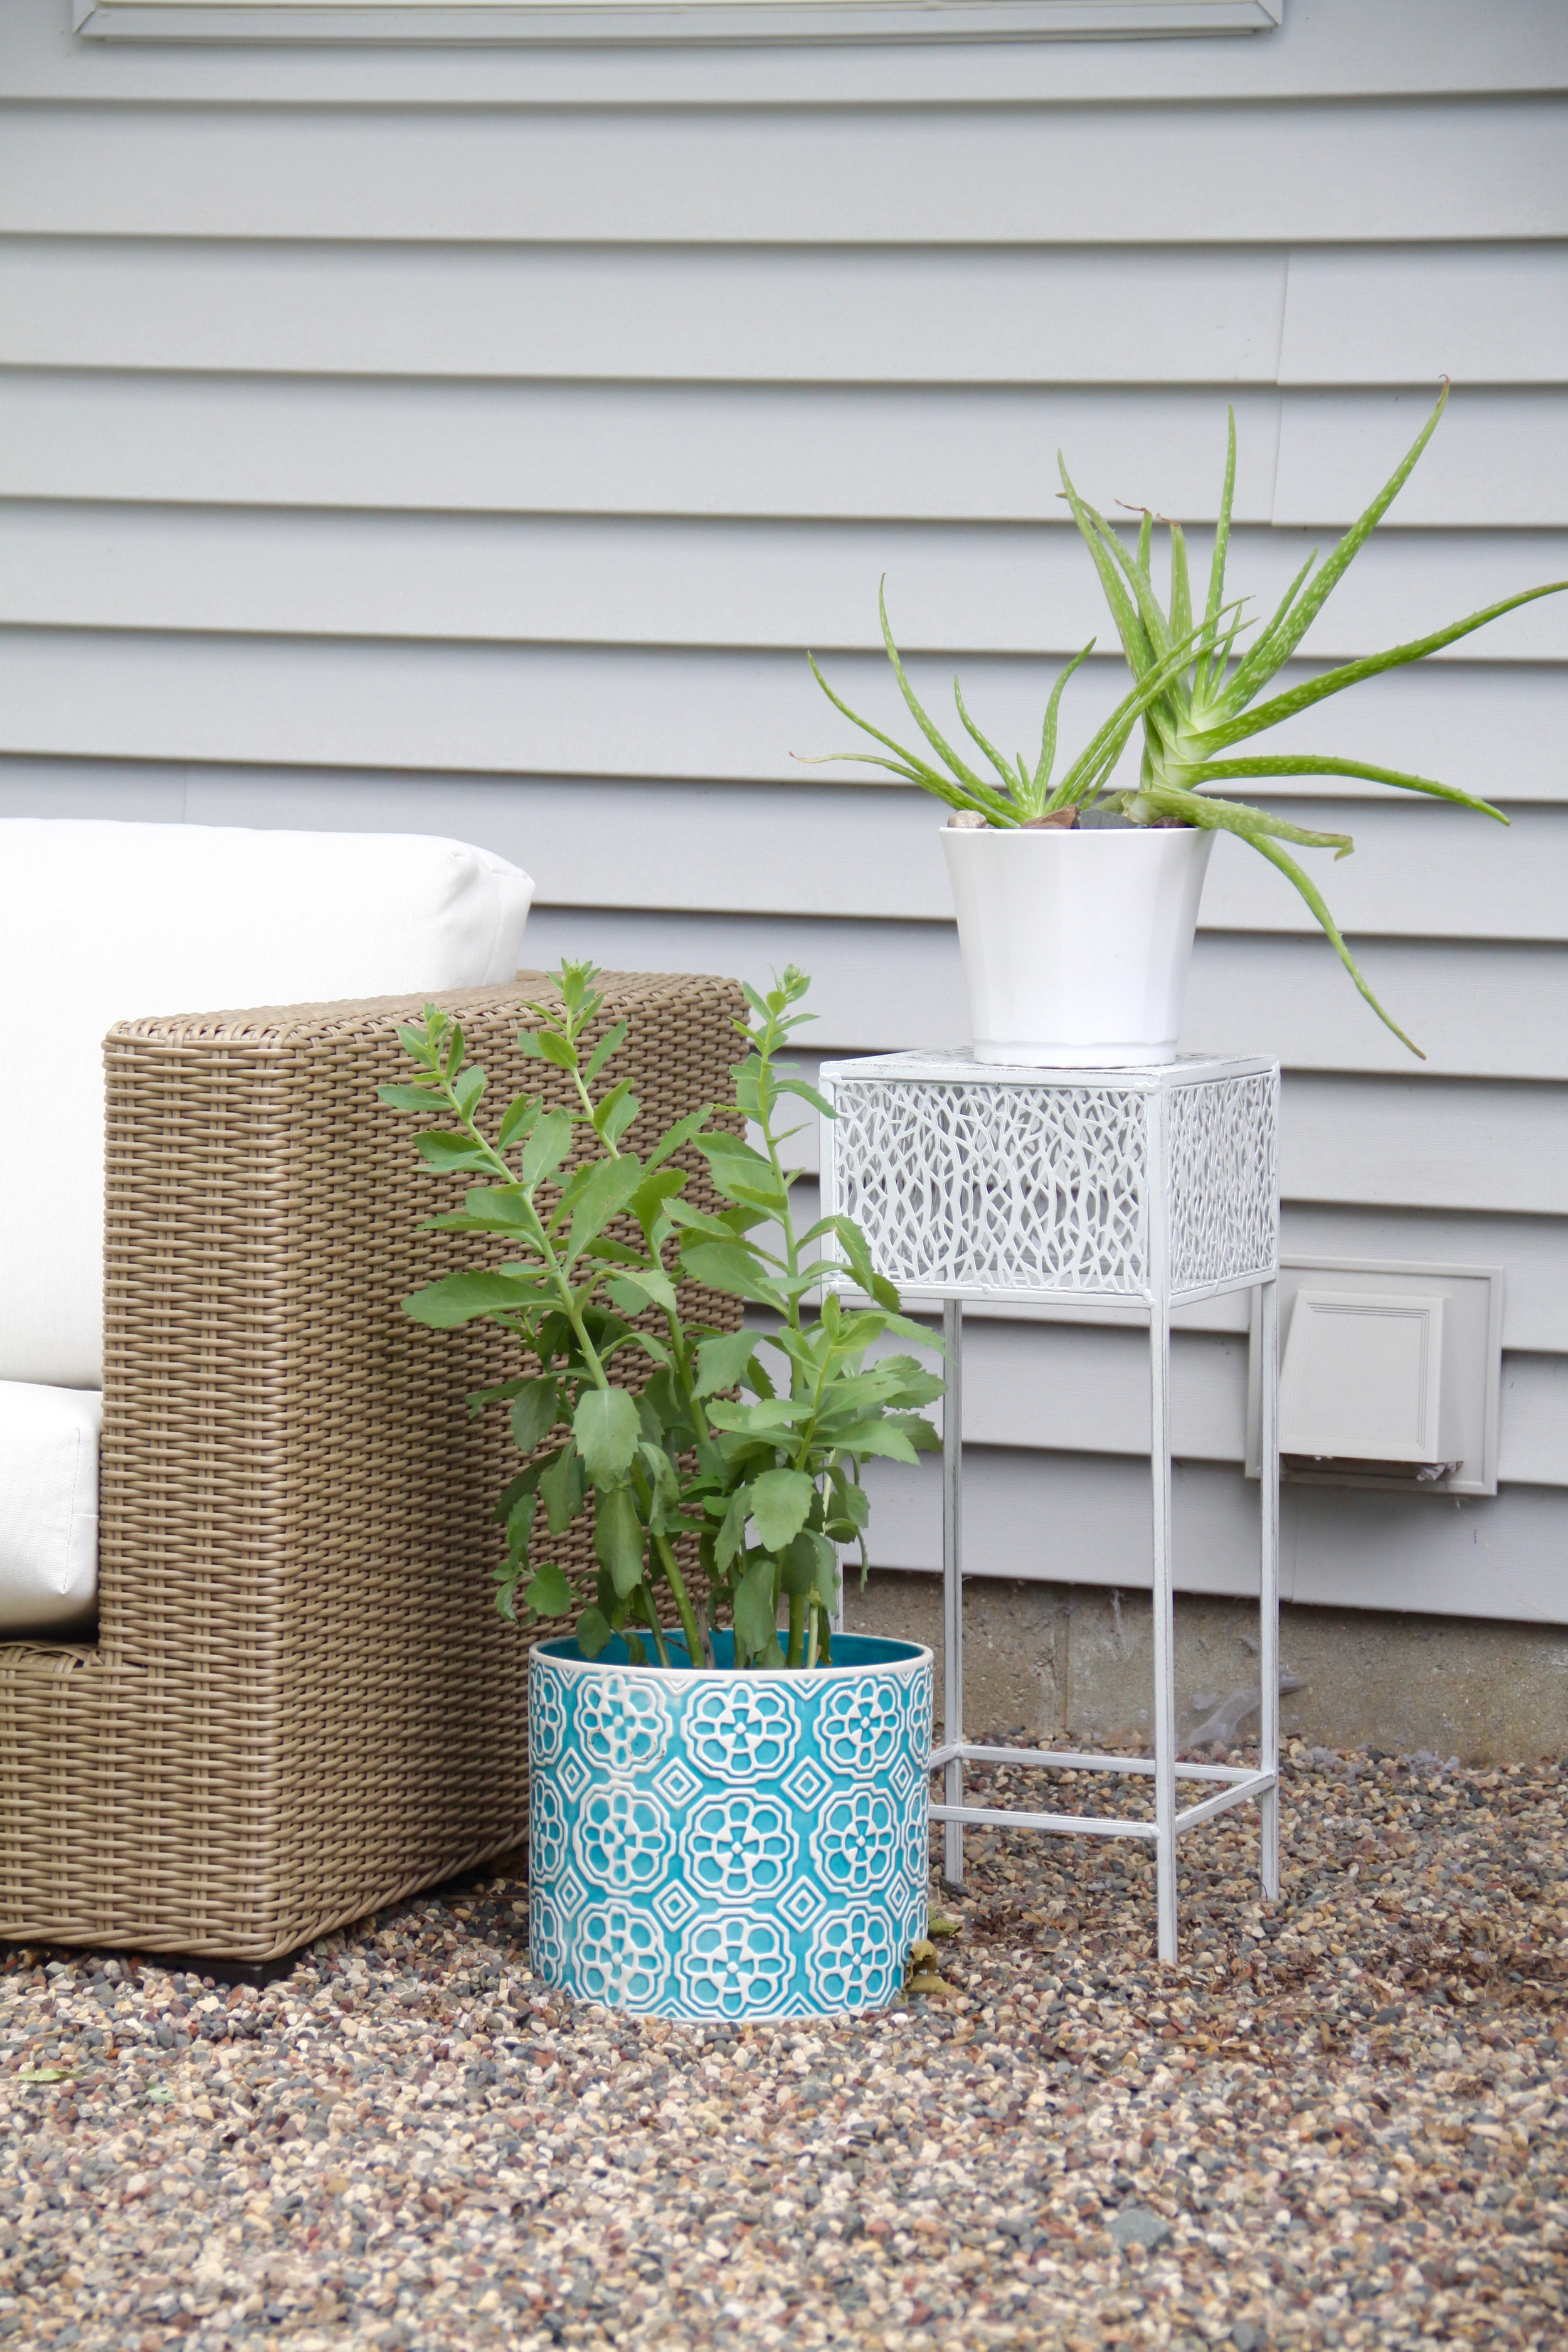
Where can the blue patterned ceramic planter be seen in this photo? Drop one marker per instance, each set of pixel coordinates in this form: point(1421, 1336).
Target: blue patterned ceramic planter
point(728, 1845)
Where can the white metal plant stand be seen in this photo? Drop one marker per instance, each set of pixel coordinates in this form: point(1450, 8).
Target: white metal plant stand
point(1142, 1189)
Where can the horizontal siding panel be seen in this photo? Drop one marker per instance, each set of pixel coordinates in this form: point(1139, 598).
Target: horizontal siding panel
point(1477, 1009)
point(1082, 1519)
point(609, 449)
point(1535, 1287)
point(641, 314)
point(1498, 458)
point(1335, 47)
point(1413, 1143)
point(1422, 170)
point(1420, 870)
point(947, 453)
point(683, 713)
point(1533, 1430)
point(1081, 1388)
point(702, 583)
point(1407, 314)
point(816, 848)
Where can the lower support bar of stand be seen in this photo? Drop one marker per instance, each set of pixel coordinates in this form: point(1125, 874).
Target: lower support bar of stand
point(1087, 1824)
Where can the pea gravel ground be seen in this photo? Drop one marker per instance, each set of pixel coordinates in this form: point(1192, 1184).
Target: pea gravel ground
point(1341, 2123)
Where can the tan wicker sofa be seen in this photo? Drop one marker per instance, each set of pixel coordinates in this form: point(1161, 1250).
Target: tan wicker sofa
point(300, 1702)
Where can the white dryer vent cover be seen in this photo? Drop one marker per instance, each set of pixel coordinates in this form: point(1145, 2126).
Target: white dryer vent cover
point(1363, 1379)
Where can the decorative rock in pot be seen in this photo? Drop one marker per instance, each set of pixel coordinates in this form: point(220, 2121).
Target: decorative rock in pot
point(718, 1845)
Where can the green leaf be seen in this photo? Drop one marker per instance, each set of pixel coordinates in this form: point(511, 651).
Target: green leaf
point(884, 1437)
point(1290, 632)
point(610, 1042)
point(452, 1155)
point(560, 1487)
point(618, 1537)
point(606, 1429)
point(517, 1122)
point(733, 1529)
point(780, 1500)
point(1333, 681)
point(646, 1203)
point(674, 1138)
point(548, 1593)
point(555, 1048)
point(534, 1412)
point(426, 1099)
point(608, 1189)
point(722, 1364)
point(1257, 770)
point(635, 1291)
point(1313, 897)
point(859, 1256)
point(730, 1266)
point(1040, 785)
point(594, 1633)
point(460, 1298)
point(467, 1090)
point(755, 1612)
point(616, 1112)
point(547, 1148)
point(809, 1566)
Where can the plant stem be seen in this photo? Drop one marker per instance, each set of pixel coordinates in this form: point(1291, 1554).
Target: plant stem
point(695, 1645)
point(797, 1611)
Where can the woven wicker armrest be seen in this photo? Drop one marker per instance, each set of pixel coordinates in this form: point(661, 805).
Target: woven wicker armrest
point(302, 1702)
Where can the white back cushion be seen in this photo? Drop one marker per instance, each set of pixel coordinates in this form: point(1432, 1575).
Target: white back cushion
point(49, 1528)
point(102, 922)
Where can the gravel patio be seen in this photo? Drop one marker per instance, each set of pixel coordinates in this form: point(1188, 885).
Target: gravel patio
point(1342, 2125)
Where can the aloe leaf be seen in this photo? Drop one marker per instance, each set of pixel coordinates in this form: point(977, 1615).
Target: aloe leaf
point(992, 753)
point(928, 726)
point(1049, 730)
point(1217, 566)
point(1104, 748)
point(915, 773)
point(1224, 771)
point(1157, 628)
point(1314, 600)
point(1263, 833)
point(1181, 585)
point(1333, 681)
point(1259, 665)
point(914, 769)
point(1234, 816)
point(1314, 898)
point(1096, 532)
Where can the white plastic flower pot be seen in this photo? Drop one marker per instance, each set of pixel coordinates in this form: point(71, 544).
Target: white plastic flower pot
point(1077, 944)
point(722, 1845)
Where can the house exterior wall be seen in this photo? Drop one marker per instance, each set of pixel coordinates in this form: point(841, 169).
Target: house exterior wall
point(471, 440)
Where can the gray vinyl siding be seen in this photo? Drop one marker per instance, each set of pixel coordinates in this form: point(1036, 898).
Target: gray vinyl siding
point(473, 442)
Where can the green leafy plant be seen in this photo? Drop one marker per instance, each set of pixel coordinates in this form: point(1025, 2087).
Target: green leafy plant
point(1197, 701)
point(743, 1448)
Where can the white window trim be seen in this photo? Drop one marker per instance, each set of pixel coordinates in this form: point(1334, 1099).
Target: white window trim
point(571, 22)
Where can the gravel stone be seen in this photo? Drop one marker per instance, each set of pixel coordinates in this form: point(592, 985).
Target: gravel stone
point(1338, 2124)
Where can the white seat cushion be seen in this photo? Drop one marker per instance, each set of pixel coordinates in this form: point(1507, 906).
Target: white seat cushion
point(49, 1525)
point(103, 923)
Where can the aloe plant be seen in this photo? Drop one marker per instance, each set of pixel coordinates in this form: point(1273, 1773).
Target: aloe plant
point(1197, 701)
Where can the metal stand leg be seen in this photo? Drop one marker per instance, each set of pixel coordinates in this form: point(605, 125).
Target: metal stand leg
point(1268, 1589)
point(953, 1582)
point(1164, 1629)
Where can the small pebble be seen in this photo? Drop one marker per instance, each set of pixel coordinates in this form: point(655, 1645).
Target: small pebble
point(1336, 2121)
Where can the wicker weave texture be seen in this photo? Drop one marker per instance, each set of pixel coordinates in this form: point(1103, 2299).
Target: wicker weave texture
point(301, 1701)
